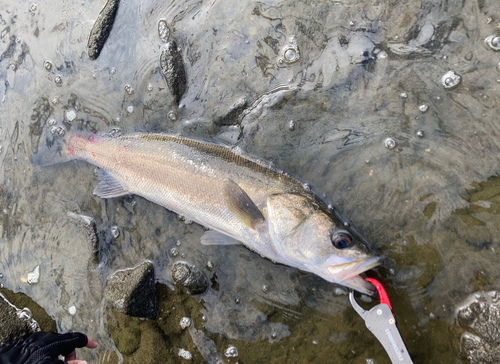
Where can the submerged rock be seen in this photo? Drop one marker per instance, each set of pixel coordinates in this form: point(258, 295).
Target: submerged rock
point(128, 340)
point(206, 347)
point(190, 277)
point(132, 291)
point(481, 343)
point(90, 226)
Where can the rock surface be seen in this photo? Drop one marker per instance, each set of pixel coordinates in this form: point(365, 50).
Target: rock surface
point(14, 322)
point(189, 277)
point(132, 291)
point(481, 343)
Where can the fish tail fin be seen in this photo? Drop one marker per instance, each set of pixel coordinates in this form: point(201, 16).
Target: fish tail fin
point(52, 150)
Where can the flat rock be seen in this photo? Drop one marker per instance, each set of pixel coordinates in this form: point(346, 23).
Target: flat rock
point(132, 291)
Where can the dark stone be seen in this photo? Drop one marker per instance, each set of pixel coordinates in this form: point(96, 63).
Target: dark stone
point(189, 277)
point(132, 291)
point(101, 29)
point(172, 69)
point(232, 116)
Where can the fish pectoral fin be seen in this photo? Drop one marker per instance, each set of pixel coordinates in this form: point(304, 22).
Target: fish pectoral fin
point(241, 205)
point(109, 186)
point(212, 237)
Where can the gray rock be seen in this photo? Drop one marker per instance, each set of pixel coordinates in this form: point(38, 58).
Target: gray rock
point(132, 291)
point(172, 69)
point(101, 29)
point(481, 343)
point(189, 277)
point(14, 322)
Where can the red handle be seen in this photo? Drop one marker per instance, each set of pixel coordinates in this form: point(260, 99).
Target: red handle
point(384, 298)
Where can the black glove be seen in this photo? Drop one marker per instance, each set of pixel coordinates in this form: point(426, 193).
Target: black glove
point(41, 348)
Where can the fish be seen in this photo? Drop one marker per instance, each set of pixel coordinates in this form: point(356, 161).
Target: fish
point(239, 198)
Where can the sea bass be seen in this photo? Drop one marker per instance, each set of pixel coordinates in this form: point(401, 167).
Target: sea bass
point(239, 198)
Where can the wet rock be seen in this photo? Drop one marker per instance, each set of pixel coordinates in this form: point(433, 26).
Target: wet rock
point(481, 318)
point(101, 29)
point(190, 277)
point(232, 116)
point(90, 226)
point(14, 322)
point(172, 69)
point(137, 340)
point(206, 347)
point(19, 299)
point(132, 291)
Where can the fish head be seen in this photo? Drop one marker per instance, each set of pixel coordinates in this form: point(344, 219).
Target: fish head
point(307, 237)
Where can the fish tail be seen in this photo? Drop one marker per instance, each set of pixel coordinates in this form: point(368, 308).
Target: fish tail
point(53, 150)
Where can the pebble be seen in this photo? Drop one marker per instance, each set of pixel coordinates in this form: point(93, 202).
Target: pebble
point(34, 275)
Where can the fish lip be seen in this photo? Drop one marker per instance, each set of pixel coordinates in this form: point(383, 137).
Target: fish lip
point(346, 271)
point(357, 283)
point(351, 277)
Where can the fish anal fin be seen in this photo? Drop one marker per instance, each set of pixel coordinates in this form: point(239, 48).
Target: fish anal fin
point(241, 205)
point(212, 237)
point(109, 186)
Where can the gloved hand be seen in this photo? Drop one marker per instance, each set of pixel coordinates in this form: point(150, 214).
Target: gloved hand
point(44, 348)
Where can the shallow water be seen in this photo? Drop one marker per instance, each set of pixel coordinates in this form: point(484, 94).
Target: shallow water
point(314, 87)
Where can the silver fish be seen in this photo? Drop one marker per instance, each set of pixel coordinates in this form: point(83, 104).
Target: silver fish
point(239, 198)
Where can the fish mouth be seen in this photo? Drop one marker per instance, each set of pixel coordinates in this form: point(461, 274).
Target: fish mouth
point(357, 283)
point(348, 274)
point(351, 269)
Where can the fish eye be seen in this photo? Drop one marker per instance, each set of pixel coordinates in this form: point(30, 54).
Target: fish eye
point(342, 239)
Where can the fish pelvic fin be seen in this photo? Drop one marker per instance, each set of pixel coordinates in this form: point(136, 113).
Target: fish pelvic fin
point(212, 237)
point(241, 205)
point(52, 150)
point(109, 186)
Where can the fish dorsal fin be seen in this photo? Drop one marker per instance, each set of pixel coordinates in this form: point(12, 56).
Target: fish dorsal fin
point(212, 237)
point(109, 186)
point(241, 205)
